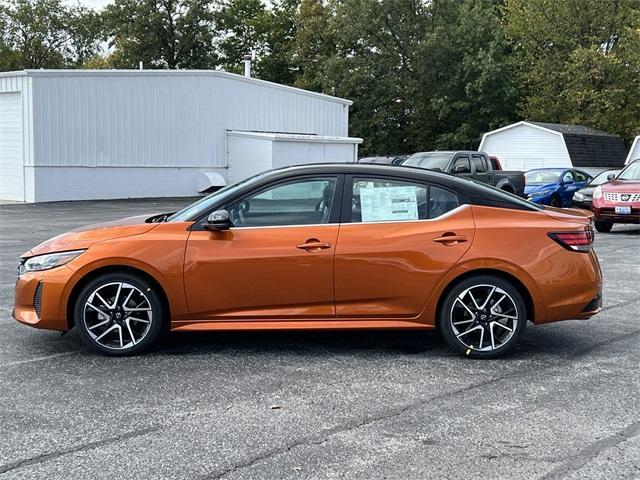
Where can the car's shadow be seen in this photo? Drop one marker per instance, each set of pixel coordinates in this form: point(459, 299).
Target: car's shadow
point(550, 341)
point(553, 341)
point(321, 342)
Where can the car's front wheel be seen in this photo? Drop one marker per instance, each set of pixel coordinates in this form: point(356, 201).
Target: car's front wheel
point(483, 317)
point(119, 314)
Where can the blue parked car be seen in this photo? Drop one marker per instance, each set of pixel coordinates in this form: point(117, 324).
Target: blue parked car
point(554, 186)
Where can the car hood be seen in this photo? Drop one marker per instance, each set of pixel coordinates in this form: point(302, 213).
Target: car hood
point(622, 186)
point(533, 188)
point(574, 215)
point(84, 237)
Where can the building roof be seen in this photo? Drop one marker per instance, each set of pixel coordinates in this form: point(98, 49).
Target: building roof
point(160, 73)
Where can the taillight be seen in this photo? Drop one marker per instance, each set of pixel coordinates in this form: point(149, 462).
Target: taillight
point(579, 241)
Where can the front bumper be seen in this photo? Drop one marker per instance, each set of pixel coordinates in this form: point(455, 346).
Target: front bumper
point(540, 200)
point(47, 308)
point(584, 204)
point(608, 214)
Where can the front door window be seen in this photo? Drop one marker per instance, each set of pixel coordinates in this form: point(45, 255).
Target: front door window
point(301, 202)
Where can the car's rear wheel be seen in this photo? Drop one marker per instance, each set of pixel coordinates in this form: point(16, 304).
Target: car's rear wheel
point(555, 201)
point(603, 227)
point(483, 317)
point(119, 314)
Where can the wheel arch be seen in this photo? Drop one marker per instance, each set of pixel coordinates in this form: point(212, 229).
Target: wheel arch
point(515, 281)
point(89, 276)
point(505, 184)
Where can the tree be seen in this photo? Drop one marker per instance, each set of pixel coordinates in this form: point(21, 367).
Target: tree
point(160, 33)
point(466, 65)
point(46, 34)
point(578, 61)
point(244, 27)
point(278, 63)
point(422, 75)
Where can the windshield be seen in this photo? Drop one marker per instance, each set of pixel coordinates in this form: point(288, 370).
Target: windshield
point(197, 208)
point(602, 177)
point(429, 160)
point(542, 176)
point(632, 172)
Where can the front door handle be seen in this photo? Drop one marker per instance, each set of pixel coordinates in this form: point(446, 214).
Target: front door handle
point(450, 238)
point(313, 244)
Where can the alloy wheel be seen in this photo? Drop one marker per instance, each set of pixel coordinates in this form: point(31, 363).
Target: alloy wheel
point(117, 315)
point(484, 317)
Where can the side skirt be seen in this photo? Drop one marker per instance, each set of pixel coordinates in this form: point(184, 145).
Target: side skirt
point(355, 324)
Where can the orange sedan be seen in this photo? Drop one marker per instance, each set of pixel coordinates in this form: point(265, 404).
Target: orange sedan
point(331, 246)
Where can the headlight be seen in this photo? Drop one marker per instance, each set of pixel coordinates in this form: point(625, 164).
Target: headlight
point(47, 261)
point(542, 193)
point(597, 193)
point(578, 196)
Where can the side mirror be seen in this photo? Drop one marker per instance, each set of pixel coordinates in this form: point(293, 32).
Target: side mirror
point(218, 220)
point(461, 169)
point(611, 176)
point(567, 182)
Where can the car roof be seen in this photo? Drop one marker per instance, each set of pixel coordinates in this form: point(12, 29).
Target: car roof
point(549, 169)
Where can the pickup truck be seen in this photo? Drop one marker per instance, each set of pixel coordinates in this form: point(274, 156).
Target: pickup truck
point(470, 164)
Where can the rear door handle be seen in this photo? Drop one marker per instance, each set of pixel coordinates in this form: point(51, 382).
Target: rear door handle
point(313, 244)
point(450, 239)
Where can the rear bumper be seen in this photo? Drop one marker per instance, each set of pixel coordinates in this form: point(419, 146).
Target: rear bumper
point(576, 296)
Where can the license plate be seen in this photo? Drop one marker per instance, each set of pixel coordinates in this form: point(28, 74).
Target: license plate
point(623, 210)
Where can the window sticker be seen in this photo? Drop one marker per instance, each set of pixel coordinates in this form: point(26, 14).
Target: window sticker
point(388, 203)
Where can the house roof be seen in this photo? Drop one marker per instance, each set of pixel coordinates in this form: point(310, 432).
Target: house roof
point(571, 129)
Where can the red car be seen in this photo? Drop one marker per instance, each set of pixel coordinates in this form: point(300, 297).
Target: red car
point(618, 201)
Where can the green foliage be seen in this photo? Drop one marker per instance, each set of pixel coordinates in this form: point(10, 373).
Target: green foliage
point(160, 33)
point(423, 74)
point(578, 61)
point(46, 34)
point(244, 25)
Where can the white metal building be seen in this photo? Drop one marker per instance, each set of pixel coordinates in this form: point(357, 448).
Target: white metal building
point(526, 145)
point(634, 152)
point(98, 134)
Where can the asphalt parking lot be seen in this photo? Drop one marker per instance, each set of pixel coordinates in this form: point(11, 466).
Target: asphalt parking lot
point(351, 404)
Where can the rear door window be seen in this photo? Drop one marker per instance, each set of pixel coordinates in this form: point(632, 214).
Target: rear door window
point(386, 200)
point(479, 163)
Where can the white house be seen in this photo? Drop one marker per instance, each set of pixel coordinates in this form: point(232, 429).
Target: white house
point(526, 145)
point(98, 134)
point(634, 152)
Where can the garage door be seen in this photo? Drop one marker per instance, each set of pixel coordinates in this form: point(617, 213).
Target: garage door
point(11, 151)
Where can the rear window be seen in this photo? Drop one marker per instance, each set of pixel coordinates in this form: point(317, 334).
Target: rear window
point(503, 199)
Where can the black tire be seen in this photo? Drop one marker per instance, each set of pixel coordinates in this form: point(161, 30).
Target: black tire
point(146, 321)
point(556, 202)
point(462, 337)
point(603, 227)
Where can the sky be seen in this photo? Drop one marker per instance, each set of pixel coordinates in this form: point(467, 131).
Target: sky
point(95, 4)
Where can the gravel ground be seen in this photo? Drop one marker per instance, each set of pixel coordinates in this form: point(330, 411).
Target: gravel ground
point(365, 405)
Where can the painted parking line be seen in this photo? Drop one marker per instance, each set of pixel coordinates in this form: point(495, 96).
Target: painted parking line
point(37, 359)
